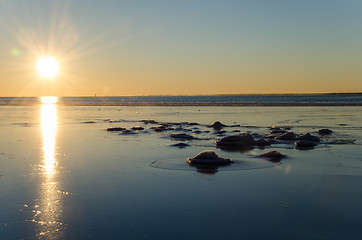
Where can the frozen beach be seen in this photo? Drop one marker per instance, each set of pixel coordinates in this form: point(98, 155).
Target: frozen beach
point(64, 176)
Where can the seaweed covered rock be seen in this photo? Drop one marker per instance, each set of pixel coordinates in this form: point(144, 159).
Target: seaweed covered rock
point(209, 157)
point(244, 139)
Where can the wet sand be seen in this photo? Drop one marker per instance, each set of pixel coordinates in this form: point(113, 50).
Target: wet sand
point(62, 175)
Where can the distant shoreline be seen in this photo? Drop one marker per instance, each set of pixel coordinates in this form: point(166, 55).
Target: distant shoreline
point(214, 100)
point(194, 104)
point(201, 95)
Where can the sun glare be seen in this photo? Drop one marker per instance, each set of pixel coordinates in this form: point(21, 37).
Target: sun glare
point(49, 100)
point(47, 67)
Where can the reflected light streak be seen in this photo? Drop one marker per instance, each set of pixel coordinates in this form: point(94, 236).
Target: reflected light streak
point(49, 129)
point(48, 211)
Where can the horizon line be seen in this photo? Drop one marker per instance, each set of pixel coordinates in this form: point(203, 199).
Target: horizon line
point(199, 95)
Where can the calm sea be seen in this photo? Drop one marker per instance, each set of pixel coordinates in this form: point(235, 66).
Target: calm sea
point(262, 100)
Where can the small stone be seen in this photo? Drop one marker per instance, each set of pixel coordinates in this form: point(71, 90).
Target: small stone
point(149, 121)
point(278, 131)
point(116, 129)
point(137, 128)
point(180, 145)
point(273, 154)
point(217, 125)
point(305, 144)
point(89, 122)
point(161, 128)
point(127, 132)
point(324, 131)
point(182, 136)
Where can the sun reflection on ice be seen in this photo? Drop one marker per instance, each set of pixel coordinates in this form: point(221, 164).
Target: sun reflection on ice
point(49, 129)
point(48, 213)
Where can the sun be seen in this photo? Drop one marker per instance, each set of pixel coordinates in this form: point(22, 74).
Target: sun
point(47, 67)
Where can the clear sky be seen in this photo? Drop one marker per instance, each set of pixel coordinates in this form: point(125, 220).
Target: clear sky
point(171, 47)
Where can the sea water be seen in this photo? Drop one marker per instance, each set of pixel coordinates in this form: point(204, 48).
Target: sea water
point(345, 99)
point(63, 176)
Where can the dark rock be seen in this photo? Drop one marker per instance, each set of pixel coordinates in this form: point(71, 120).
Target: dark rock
point(88, 122)
point(342, 141)
point(127, 132)
point(180, 145)
point(270, 136)
point(149, 121)
point(116, 129)
point(309, 137)
point(209, 157)
point(286, 136)
point(244, 139)
point(182, 136)
point(273, 154)
point(305, 144)
point(324, 131)
point(137, 128)
point(278, 131)
point(217, 125)
point(220, 132)
point(161, 128)
point(262, 142)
